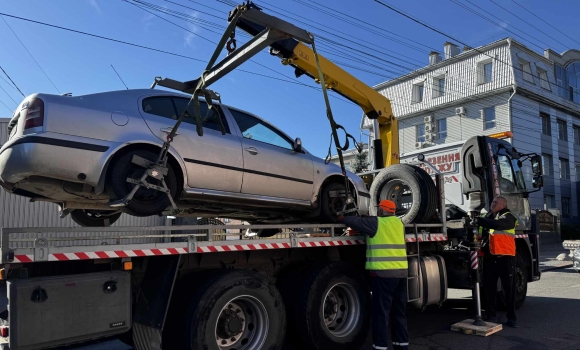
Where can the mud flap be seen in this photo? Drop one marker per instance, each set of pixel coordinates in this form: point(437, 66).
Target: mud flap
point(153, 299)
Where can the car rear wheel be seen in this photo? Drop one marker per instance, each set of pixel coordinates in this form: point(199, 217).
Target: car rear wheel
point(146, 201)
point(95, 218)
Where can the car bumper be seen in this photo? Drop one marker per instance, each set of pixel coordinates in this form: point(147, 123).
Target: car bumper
point(50, 155)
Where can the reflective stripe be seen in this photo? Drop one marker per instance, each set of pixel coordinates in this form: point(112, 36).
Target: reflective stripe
point(388, 258)
point(388, 246)
point(401, 344)
point(380, 347)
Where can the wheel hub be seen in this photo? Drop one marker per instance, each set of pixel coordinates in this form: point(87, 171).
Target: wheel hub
point(230, 324)
point(519, 280)
point(341, 310)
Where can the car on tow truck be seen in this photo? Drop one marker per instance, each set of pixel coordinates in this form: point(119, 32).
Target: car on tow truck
point(77, 152)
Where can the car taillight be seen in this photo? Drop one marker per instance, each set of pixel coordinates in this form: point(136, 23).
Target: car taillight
point(34, 114)
point(4, 332)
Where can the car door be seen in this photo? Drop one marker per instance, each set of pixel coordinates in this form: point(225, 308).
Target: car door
point(271, 166)
point(213, 161)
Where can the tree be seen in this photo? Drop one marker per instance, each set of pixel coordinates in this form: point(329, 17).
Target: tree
point(360, 162)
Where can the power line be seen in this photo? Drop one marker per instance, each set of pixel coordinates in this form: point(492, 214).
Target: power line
point(38, 64)
point(119, 77)
point(541, 19)
point(8, 95)
point(528, 23)
point(6, 106)
point(13, 83)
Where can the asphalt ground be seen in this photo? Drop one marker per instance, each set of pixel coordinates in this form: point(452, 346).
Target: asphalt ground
point(549, 319)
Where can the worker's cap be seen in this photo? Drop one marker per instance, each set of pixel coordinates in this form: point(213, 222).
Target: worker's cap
point(388, 206)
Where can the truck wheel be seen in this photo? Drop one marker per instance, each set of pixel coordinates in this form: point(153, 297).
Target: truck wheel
point(333, 307)
point(521, 285)
point(410, 187)
point(146, 202)
point(94, 218)
point(235, 310)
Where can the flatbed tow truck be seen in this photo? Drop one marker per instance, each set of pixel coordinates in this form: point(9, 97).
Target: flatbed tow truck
point(199, 287)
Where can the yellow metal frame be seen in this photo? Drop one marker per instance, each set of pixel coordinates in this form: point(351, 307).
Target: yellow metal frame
point(371, 101)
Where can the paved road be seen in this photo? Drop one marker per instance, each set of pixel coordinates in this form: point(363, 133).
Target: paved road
point(550, 318)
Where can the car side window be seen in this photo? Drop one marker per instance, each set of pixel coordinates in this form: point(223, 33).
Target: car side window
point(210, 121)
point(161, 106)
point(253, 128)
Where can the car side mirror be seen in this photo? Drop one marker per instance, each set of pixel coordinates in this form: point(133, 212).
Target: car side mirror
point(297, 147)
point(537, 165)
point(538, 181)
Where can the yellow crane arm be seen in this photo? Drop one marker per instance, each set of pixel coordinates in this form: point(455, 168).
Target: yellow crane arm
point(373, 104)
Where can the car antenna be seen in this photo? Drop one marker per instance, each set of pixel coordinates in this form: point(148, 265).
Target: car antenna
point(119, 77)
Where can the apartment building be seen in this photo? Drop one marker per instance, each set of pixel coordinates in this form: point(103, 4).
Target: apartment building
point(501, 86)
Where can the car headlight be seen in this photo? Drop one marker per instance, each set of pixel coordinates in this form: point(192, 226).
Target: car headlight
point(577, 253)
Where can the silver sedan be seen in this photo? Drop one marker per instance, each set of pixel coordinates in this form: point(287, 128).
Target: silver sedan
point(77, 152)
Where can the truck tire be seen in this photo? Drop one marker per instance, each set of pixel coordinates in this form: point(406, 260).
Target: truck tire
point(94, 218)
point(328, 306)
point(410, 187)
point(146, 202)
point(238, 310)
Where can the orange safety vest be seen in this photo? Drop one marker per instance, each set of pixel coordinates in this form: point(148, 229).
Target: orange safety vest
point(503, 243)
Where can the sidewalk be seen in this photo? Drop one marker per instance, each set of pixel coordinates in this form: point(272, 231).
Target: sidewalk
point(548, 256)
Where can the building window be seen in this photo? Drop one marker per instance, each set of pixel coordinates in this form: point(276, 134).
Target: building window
point(546, 124)
point(577, 171)
point(485, 70)
point(526, 70)
point(420, 133)
point(442, 129)
point(489, 118)
point(577, 135)
point(543, 76)
point(547, 164)
point(439, 87)
point(564, 169)
point(226, 220)
point(418, 92)
point(565, 207)
point(562, 81)
point(549, 201)
point(562, 130)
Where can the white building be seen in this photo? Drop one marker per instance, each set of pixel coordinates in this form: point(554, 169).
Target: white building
point(502, 86)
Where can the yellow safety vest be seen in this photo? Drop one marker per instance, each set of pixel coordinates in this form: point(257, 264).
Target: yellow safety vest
point(387, 249)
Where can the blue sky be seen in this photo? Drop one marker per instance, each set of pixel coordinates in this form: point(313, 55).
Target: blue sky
point(81, 64)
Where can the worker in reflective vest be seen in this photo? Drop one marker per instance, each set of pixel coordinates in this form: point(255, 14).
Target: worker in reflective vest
point(386, 259)
point(497, 230)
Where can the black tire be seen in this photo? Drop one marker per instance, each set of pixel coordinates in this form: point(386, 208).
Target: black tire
point(146, 202)
point(94, 218)
point(521, 285)
point(395, 182)
point(311, 291)
point(329, 206)
point(250, 295)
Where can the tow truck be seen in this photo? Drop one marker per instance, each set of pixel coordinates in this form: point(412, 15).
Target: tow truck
point(200, 287)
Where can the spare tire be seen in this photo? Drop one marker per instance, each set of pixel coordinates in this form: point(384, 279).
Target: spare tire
point(410, 187)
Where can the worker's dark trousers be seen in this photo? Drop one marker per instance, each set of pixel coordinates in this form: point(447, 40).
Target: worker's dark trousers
point(389, 302)
point(503, 268)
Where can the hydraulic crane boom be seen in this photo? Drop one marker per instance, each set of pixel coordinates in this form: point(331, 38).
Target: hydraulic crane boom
point(286, 42)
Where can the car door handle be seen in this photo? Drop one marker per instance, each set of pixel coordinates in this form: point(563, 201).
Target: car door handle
point(251, 150)
point(168, 130)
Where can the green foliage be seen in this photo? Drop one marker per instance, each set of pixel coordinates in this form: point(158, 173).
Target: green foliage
point(361, 162)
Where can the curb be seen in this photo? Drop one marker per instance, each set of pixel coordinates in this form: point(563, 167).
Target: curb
point(550, 268)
